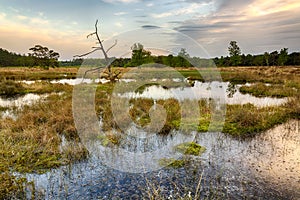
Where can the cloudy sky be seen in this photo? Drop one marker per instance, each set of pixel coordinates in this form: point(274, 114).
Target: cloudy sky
point(257, 25)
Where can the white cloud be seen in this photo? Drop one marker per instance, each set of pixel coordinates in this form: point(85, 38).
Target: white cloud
point(2, 15)
point(120, 13)
point(258, 26)
point(39, 21)
point(22, 17)
point(191, 9)
point(118, 24)
point(149, 4)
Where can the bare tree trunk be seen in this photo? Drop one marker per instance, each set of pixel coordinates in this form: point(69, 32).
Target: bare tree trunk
point(110, 75)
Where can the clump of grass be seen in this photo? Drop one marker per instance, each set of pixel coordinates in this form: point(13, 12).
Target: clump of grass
point(10, 88)
point(190, 148)
point(262, 90)
point(12, 187)
point(248, 120)
point(109, 138)
point(31, 143)
point(274, 75)
point(44, 87)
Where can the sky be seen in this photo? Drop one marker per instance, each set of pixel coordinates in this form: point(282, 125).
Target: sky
point(257, 25)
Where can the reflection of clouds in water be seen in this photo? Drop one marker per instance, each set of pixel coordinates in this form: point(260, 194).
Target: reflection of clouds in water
point(204, 91)
point(258, 162)
point(21, 101)
point(275, 155)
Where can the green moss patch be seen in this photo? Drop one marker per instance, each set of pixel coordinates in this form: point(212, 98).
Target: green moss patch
point(190, 148)
point(171, 162)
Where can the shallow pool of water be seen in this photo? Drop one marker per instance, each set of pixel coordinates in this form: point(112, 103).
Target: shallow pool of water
point(265, 167)
point(205, 90)
point(17, 103)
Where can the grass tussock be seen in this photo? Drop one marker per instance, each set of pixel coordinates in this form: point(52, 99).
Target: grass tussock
point(12, 187)
point(248, 120)
point(9, 88)
point(263, 90)
point(32, 142)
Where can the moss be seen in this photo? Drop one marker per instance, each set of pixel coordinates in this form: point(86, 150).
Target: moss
point(12, 187)
point(171, 162)
point(109, 139)
point(190, 148)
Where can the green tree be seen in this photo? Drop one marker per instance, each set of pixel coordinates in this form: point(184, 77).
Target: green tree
point(234, 53)
point(274, 58)
point(139, 55)
point(267, 57)
point(283, 56)
point(182, 57)
point(44, 57)
point(183, 53)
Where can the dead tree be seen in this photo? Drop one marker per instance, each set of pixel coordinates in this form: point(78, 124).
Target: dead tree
point(112, 76)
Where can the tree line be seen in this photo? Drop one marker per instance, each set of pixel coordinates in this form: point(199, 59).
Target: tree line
point(39, 56)
point(235, 58)
point(275, 58)
point(44, 57)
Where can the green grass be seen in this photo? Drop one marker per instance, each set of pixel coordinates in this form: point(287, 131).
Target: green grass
point(10, 88)
point(240, 121)
point(25, 73)
point(275, 90)
point(31, 143)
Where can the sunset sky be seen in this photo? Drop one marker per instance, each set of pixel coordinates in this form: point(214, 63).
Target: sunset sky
point(257, 25)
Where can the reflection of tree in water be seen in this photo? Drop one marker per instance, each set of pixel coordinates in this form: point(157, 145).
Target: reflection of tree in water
point(231, 90)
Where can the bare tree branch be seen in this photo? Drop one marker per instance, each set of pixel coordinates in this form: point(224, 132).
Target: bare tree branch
point(116, 41)
point(87, 53)
point(112, 76)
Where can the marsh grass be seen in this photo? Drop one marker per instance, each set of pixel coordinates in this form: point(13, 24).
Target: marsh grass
point(31, 143)
point(12, 187)
point(25, 73)
point(274, 90)
point(9, 88)
point(154, 190)
point(241, 120)
point(242, 75)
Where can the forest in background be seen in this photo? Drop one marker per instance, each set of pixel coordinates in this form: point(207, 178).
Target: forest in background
point(43, 57)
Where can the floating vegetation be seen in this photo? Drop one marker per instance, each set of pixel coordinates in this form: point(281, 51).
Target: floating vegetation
point(190, 148)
